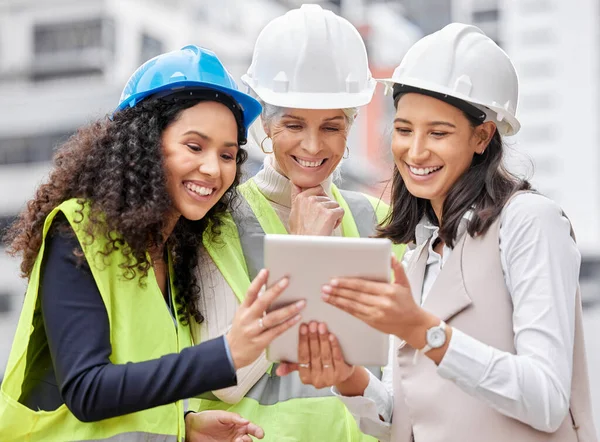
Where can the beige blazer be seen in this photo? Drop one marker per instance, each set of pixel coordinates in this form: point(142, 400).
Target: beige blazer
point(471, 295)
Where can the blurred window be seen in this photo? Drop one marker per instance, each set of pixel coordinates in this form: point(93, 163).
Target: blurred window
point(541, 36)
point(486, 15)
point(534, 101)
point(534, 6)
point(69, 49)
point(5, 303)
point(150, 47)
point(35, 149)
point(541, 133)
point(537, 68)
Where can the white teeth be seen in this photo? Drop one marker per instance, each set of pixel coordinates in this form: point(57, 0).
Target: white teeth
point(310, 163)
point(202, 191)
point(423, 171)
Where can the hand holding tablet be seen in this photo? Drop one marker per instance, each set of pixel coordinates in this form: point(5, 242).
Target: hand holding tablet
point(311, 262)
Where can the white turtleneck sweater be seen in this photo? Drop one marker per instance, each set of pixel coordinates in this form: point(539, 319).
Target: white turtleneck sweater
point(218, 303)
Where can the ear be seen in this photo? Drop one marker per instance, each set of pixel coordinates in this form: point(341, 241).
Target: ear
point(483, 135)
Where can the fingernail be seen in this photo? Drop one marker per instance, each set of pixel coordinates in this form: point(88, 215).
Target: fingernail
point(327, 289)
point(334, 282)
point(283, 283)
point(313, 327)
point(331, 338)
point(300, 304)
point(322, 329)
point(303, 330)
point(325, 297)
point(297, 318)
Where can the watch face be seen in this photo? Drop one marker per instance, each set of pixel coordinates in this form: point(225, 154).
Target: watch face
point(436, 337)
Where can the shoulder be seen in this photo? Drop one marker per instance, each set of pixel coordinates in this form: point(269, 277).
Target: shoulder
point(533, 223)
point(528, 210)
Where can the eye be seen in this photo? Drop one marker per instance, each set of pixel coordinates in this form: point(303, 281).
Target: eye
point(331, 129)
point(438, 134)
point(403, 130)
point(293, 126)
point(228, 157)
point(194, 147)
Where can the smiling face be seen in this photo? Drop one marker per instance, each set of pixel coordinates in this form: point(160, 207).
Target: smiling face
point(200, 149)
point(433, 145)
point(308, 144)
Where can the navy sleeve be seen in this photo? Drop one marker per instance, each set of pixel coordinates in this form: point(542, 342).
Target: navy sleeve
point(77, 330)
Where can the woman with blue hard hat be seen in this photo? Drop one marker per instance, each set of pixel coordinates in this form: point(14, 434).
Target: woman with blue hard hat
point(310, 70)
point(103, 348)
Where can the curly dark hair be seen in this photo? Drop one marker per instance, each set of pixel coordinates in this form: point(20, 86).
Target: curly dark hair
point(116, 166)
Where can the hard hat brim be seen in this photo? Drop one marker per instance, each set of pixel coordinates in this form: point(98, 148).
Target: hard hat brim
point(316, 100)
point(511, 128)
point(251, 108)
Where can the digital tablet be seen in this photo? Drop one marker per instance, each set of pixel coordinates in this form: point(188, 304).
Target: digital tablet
point(312, 261)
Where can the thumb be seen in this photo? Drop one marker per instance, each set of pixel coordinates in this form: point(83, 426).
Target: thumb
point(286, 368)
point(400, 277)
point(296, 190)
point(228, 417)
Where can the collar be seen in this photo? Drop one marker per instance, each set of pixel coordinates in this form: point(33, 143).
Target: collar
point(426, 229)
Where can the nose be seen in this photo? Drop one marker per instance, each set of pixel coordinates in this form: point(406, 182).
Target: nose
point(418, 151)
point(311, 143)
point(210, 165)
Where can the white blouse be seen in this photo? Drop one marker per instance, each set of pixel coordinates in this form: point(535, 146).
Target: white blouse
point(541, 263)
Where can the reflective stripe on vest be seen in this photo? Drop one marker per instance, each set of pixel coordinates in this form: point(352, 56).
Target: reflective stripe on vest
point(133, 338)
point(138, 436)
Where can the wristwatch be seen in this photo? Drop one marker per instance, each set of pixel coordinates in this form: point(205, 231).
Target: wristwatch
point(436, 337)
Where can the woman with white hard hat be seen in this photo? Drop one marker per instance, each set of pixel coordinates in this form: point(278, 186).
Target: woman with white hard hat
point(310, 72)
point(486, 313)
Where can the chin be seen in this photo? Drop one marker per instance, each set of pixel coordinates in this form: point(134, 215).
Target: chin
point(306, 182)
point(194, 215)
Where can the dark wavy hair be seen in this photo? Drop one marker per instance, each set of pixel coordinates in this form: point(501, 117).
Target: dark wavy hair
point(116, 166)
point(485, 187)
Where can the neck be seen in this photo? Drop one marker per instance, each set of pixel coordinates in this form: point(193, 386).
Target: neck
point(437, 206)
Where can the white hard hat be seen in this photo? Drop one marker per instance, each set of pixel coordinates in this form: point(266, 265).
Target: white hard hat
point(460, 61)
point(310, 58)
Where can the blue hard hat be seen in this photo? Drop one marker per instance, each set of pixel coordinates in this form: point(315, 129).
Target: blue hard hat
point(189, 67)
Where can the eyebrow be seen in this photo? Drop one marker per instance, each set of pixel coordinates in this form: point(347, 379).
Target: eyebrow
point(296, 117)
point(431, 123)
point(209, 139)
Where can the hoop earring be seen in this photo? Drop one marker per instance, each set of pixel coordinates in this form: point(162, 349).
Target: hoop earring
point(345, 157)
point(262, 147)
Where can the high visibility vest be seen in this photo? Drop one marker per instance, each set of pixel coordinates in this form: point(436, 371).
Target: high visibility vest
point(284, 407)
point(133, 338)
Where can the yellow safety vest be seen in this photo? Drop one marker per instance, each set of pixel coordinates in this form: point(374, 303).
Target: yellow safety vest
point(285, 408)
point(133, 337)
